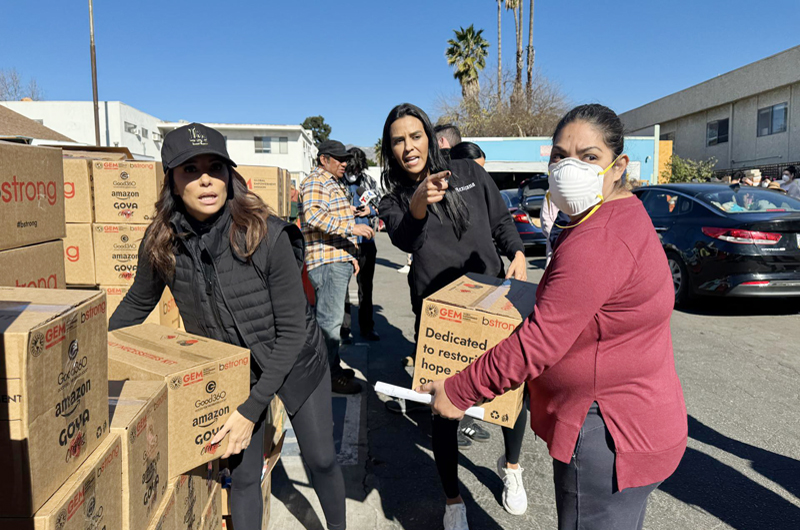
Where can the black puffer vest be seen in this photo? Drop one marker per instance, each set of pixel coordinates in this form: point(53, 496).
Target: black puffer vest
point(247, 297)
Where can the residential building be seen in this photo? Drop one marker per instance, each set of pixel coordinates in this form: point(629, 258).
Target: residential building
point(749, 117)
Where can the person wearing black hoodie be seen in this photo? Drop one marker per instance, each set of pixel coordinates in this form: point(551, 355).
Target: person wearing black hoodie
point(235, 272)
point(449, 217)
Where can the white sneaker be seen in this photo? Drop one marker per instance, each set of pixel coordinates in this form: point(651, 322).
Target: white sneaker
point(515, 500)
point(455, 517)
point(405, 269)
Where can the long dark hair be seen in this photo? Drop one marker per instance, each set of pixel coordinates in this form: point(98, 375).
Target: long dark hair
point(394, 177)
point(249, 217)
point(466, 150)
point(358, 163)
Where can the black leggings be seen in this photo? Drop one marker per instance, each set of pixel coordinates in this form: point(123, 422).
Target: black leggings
point(313, 427)
point(444, 439)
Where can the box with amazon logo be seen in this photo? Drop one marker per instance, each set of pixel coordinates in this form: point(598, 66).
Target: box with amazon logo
point(206, 381)
point(116, 252)
point(90, 499)
point(126, 192)
point(53, 391)
point(463, 320)
point(31, 195)
point(40, 266)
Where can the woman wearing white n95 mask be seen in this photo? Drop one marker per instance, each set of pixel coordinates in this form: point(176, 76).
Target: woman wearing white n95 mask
point(596, 352)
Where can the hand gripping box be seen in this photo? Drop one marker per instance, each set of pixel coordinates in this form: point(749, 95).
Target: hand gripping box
point(53, 390)
point(116, 252)
point(31, 195)
point(40, 266)
point(138, 411)
point(463, 320)
point(206, 379)
point(126, 192)
point(89, 500)
point(79, 255)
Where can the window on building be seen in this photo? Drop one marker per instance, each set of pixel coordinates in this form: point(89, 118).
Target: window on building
point(144, 132)
point(263, 144)
point(668, 136)
point(283, 143)
point(772, 120)
point(717, 132)
point(130, 128)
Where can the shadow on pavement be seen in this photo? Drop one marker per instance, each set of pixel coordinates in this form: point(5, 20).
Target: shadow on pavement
point(387, 263)
point(727, 494)
point(284, 490)
point(717, 306)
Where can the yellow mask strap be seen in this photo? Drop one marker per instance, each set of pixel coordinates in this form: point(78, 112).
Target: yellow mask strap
point(585, 217)
point(609, 167)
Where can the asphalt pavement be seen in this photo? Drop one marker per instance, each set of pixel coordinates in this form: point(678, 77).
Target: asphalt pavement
point(738, 360)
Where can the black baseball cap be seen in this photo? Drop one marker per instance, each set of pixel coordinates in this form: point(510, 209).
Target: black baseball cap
point(191, 140)
point(334, 148)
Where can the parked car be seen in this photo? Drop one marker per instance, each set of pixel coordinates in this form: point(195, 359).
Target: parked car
point(532, 194)
point(727, 240)
point(528, 228)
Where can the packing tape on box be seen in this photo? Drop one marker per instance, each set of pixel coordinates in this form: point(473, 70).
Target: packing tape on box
point(410, 395)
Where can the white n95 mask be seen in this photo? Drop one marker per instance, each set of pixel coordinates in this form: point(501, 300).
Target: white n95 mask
point(575, 185)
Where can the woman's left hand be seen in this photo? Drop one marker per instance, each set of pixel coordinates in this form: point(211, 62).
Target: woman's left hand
point(518, 268)
point(240, 430)
point(440, 404)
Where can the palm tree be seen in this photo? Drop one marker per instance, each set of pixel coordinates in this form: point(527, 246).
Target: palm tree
point(377, 148)
point(467, 52)
point(531, 57)
point(516, 8)
point(499, 51)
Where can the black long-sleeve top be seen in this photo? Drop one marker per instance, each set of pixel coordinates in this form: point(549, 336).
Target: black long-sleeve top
point(439, 256)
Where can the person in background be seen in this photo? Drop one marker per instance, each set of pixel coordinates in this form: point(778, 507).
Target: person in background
point(234, 269)
point(790, 183)
point(331, 233)
point(447, 136)
point(776, 186)
point(596, 353)
point(449, 215)
point(356, 177)
point(468, 151)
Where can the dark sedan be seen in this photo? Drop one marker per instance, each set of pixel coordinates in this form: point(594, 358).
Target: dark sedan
point(727, 240)
point(528, 228)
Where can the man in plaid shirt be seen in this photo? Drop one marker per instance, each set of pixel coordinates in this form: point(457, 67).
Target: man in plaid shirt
point(331, 233)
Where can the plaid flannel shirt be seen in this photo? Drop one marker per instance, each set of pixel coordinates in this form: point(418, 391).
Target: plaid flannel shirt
point(326, 219)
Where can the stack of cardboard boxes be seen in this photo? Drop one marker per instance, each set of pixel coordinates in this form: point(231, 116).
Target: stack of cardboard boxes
point(272, 184)
point(31, 217)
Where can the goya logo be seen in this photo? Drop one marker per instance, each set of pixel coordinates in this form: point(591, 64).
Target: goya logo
point(127, 214)
point(73, 428)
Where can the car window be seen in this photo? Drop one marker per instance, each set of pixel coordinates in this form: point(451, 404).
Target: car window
point(665, 203)
point(511, 198)
point(747, 199)
point(535, 187)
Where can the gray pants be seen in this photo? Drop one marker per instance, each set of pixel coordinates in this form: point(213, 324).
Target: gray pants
point(587, 497)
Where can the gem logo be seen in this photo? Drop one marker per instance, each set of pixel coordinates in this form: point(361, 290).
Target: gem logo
point(432, 311)
point(37, 344)
point(175, 382)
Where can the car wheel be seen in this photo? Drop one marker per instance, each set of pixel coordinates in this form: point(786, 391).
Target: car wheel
point(680, 279)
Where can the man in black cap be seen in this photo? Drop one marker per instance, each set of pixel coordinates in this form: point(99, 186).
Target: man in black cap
point(331, 233)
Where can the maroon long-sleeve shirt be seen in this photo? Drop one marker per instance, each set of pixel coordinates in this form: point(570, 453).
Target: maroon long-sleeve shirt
point(600, 331)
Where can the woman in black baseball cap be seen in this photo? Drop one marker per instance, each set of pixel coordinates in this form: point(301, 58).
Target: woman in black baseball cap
point(234, 270)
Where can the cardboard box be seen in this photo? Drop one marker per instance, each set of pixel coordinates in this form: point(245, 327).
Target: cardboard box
point(40, 266)
point(116, 252)
point(463, 320)
point(187, 501)
point(79, 255)
point(78, 195)
point(165, 314)
point(269, 183)
point(92, 152)
point(138, 411)
point(274, 424)
point(89, 499)
point(166, 516)
point(212, 513)
point(126, 192)
point(31, 195)
point(54, 383)
point(207, 380)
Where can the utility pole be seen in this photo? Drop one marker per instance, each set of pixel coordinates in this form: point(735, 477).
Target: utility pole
point(94, 77)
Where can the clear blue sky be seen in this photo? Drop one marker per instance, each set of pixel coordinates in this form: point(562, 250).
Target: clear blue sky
point(278, 62)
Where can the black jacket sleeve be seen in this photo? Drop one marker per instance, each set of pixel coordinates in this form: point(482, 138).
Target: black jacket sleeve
point(407, 233)
point(142, 297)
point(503, 230)
point(288, 308)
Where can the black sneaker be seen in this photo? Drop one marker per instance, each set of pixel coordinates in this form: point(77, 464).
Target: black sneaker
point(371, 336)
point(343, 385)
point(463, 441)
point(474, 431)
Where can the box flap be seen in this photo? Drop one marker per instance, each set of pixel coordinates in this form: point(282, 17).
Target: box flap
point(477, 292)
point(22, 309)
point(127, 399)
point(94, 152)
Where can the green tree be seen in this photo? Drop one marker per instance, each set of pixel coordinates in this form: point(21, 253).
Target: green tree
point(317, 125)
point(515, 6)
point(499, 48)
point(378, 145)
point(467, 52)
point(686, 170)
